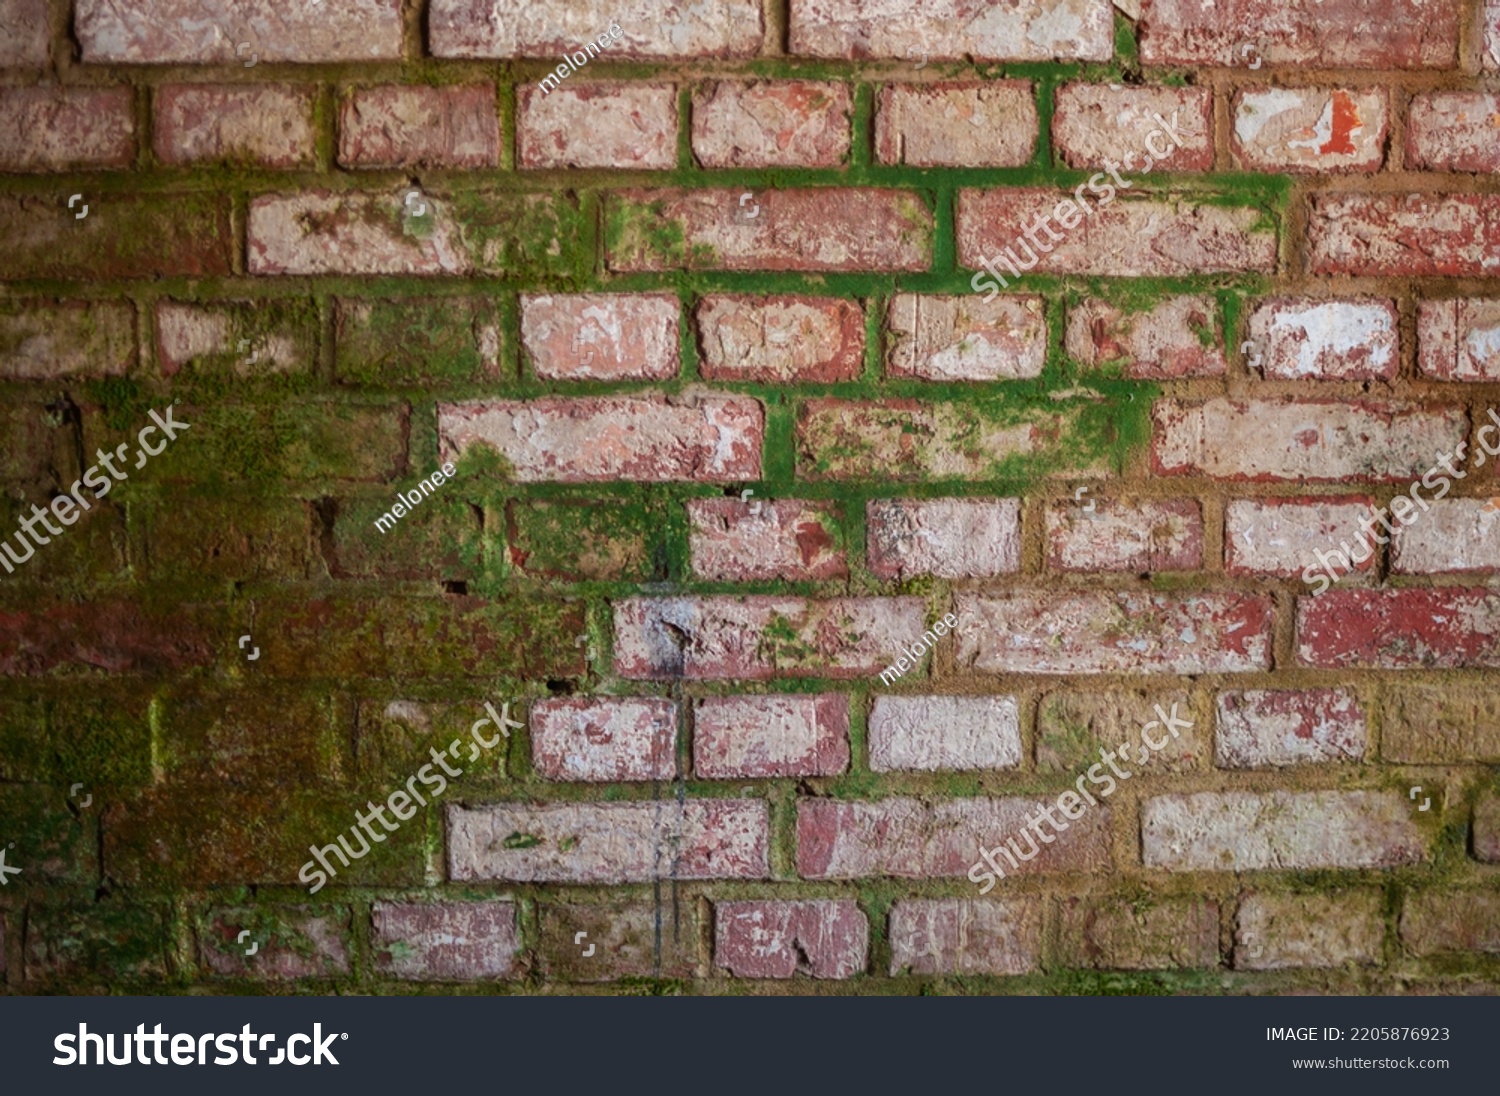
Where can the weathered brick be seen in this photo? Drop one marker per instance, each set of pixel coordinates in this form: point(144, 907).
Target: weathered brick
point(1177, 337)
point(1118, 934)
point(44, 839)
point(1261, 728)
point(1440, 725)
point(1249, 831)
point(778, 340)
point(770, 736)
point(1486, 829)
point(598, 125)
point(1097, 124)
point(604, 738)
point(609, 842)
point(290, 942)
point(417, 341)
point(735, 540)
point(1277, 931)
point(586, 539)
point(1453, 131)
point(1491, 51)
point(957, 124)
point(402, 126)
point(946, 538)
point(44, 341)
point(1448, 628)
point(478, 232)
point(822, 938)
point(123, 236)
point(756, 638)
point(1458, 535)
point(116, 635)
point(1459, 340)
point(785, 123)
point(36, 445)
point(1075, 729)
point(1095, 633)
point(625, 940)
point(654, 28)
point(826, 228)
point(24, 28)
point(246, 338)
point(966, 936)
point(646, 439)
point(239, 737)
point(251, 125)
point(1306, 440)
point(944, 733)
point(210, 32)
point(1364, 34)
point(397, 733)
point(100, 944)
point(1125, 536)
point(444, 941)
point(1436, 922)
point(1131, 238)
point(601, 336)
point(953, 30)
point(909, 838)
point(1282, 537)
point(1404, 235)
point(939, 338)
point(1310, 129)
point(66, 129)
point(1294, 338)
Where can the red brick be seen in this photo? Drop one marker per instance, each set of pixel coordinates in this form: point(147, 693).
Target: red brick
point(1297, 338)
point(66, 129)
point(1310, 129)
point(398, 126)
point(1310, 441)
point(778, 340)
point(757, 638)
point(1120, 934)
point(209, 32)
point(827, 228)
point(1133, 237)
point(1400, 629)
point(1458, 535)
point(941, 338)
point(910, 838)
point(608, 842)
point(1286, 831)
point(744, 541)
point(1453, 131)
point(208, 334)
point(653, 28)
point(1177, 337)
point(947, 538)
point(604, 738)
point(1378, 34)
point(944, 733)
point(821, 938)
point(738, 737)
point(290, 942)
point(116, 636)
point(1487, 828)
point(1097, 633)
point(601, 336)
point(444, 941)
point(1440, 725)
point(1491, 50)
point(1438, 922)
point(1280, 536)
point(1278, 931)
point(1099, 123)
point(966, 936)
point(24, 29)
point(189, 235)
point(953, 30)
point(255, 125)
point(1262, 728)
point(598, 125)
point(1124, 536)
point(645, 439)
point(44, 341)
point(1404, 235)
point(785, 123)
point(957, 124)
point(1459, 339)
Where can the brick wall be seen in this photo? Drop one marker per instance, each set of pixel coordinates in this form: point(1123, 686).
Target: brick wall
point(698, 332)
